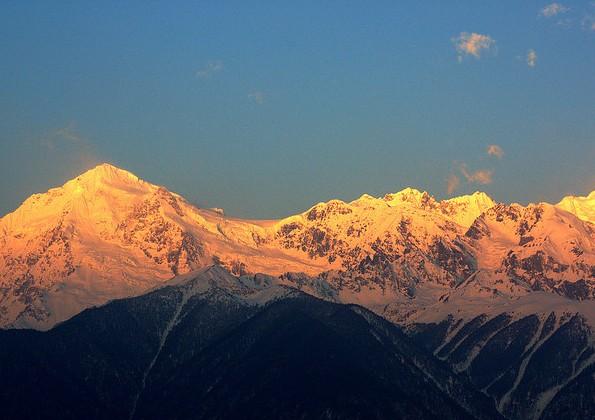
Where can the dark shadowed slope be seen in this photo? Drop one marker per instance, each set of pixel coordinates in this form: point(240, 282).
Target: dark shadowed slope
point(210, 348)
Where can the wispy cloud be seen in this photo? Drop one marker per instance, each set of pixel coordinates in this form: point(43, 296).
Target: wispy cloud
point(257, 96)
point(452, 183)
point(553, 9)
point(473, 44)
point(69, 146)
point(68, 135)
point(481, 176)
point(212, 67)
point(495, 150)
point(532, 58)
point(565, 23)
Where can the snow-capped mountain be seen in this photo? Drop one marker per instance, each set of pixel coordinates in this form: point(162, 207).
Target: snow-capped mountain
point(471, 280)
point(108, 234)
point(539, 245)
point(581, 207)
point(379, 248)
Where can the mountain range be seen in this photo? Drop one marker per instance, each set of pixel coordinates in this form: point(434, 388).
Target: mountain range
point(486, 307)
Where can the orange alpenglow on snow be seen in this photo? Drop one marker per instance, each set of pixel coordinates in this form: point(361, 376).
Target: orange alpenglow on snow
point(108, 234)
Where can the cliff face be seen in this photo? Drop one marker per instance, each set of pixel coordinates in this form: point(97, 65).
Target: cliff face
point(108, 234)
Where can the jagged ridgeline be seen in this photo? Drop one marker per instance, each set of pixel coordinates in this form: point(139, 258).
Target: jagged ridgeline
point(108, 234)
point(467, 299)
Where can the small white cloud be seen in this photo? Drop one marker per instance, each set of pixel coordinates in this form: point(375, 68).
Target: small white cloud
point(472, 44)
point(481, 176)
point(452, 183)
point(257, 96)
point(553, 9)
point(495, 150)
point(531, 58)
point(212, 67)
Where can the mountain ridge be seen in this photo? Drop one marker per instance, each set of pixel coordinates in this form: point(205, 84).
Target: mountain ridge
point(108, 234)
point(493, 290)
point(201, 348)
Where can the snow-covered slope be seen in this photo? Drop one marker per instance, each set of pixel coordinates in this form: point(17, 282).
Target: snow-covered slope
point(108, 234)
point(463, 210)
point(531, 354)
point(581, 207)
point(378, 248)
point(540, 245)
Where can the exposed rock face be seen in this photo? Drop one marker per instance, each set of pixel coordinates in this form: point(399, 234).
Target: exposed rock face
point(109, 234)
point(497, 291)
point(101, 235)
point(538, 245)
point(388, 244)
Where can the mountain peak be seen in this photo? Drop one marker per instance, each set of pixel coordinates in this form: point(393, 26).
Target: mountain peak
point(408, 195)
point(101, 195)
point(108, 234)
point(107, 171)
point(409, 192)
point(479, 194)
point(478, 197)
point(581, 207)
point(465, 209)
point(106, 176)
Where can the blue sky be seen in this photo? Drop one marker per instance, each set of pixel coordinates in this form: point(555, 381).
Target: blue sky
point(264, 109)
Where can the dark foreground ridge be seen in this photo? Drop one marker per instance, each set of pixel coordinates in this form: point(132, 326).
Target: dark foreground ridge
point(212, 355)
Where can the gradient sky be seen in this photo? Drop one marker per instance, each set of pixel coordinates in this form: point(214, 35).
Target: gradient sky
point(268, 108)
